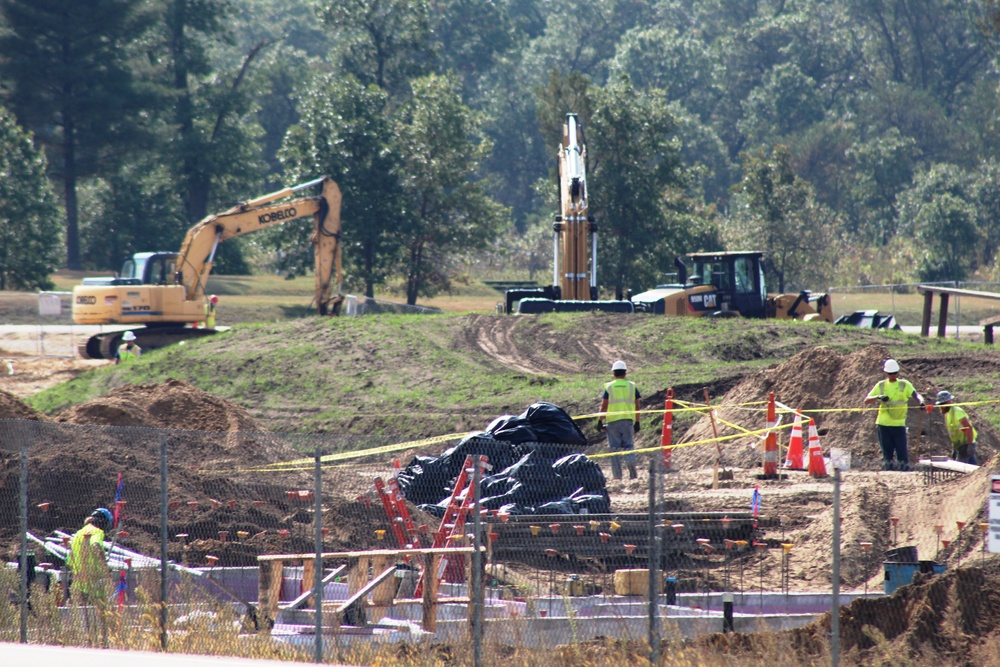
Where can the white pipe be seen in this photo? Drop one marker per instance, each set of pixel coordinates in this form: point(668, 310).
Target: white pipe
point(593, 259)
point(555, 259)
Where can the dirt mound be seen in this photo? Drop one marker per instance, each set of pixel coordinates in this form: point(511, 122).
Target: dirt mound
point(944, 616)
point(211, 443)
point(171, 404)
point(829, 387)
point(12, 407)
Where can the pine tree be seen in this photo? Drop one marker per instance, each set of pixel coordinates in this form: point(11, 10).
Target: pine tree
point(68, 78)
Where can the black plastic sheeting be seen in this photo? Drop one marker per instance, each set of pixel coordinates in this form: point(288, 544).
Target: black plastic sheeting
point(534, 468)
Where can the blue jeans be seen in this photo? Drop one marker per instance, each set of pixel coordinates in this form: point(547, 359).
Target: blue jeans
point(620, 440)
point(892, 440)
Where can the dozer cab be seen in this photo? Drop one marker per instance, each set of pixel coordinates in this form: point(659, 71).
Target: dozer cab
point(729, 284)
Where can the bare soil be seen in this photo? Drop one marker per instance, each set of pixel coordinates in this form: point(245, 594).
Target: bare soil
point(797, 510)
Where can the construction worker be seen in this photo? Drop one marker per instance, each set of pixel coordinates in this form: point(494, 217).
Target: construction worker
point(128, 351)
point(960, 429)
point(89, 571)
point(210, 311)
point(893, 396)
point(620, 402)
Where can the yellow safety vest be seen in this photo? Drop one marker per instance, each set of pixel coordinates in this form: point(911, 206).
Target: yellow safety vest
point(953, 420)
point(86, 559)
point(126, 355)
point(621, 400)
point(893, 413)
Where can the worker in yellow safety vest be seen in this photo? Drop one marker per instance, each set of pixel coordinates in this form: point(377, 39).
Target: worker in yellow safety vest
point(128, 351)
point(893, 395)
point(620, 405)
point(87, 561)
point(210, 311)
point(960, 429)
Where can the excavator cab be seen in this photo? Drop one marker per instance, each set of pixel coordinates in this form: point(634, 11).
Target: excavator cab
point(142, 268)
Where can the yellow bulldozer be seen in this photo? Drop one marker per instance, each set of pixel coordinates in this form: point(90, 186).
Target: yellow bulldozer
point(162, 294)
point(729, 284)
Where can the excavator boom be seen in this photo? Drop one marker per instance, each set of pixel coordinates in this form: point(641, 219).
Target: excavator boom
point(165, 292)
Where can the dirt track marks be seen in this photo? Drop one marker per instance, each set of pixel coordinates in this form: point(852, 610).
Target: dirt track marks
point(525, 345)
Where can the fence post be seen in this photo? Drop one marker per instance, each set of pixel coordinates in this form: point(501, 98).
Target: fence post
point(23, 512)
point(835, 598)
point(476, 598)
point(163, 543)
point(318, 567)
point(654, 565)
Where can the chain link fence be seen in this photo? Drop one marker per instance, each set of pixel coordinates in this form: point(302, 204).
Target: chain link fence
point(285, 546)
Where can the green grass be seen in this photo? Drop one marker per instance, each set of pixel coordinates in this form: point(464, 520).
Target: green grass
point(411, 376)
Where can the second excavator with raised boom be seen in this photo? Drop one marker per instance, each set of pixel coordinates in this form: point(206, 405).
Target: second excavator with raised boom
point(162, 294)
point(574, 240)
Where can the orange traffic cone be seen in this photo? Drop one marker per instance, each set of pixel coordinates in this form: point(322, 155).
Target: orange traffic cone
point(770, 463)
point(793, 459)
point(817, 467)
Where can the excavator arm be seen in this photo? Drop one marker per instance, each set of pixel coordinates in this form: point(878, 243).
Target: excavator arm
point(197, 254)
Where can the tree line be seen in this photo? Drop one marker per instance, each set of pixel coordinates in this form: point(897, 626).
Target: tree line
point(852, 140)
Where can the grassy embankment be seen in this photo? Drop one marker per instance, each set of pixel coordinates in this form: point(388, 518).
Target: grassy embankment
point(401, 377)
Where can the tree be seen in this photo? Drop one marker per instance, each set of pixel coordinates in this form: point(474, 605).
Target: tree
point(347, 133)
point(946, 226)
point(446, 209)
point(940, 211)
point(632, 163)
point(215, 148)
point(29, 221)
point(776, 212)
point(384, 42)
point(136, 208)
point(70, 80)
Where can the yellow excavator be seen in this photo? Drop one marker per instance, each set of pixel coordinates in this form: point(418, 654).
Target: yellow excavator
point(729, 284)
point(165, 291)
point(574, 241)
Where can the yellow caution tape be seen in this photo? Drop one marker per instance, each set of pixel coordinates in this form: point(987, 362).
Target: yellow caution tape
point(309, 463)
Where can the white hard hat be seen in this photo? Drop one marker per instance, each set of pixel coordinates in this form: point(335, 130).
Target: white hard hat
point(618, 366)
point(891, 366)
point(128, 336)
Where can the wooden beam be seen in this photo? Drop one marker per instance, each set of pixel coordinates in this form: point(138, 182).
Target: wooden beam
point(382, 595)
point(268, 593)
point(430, 601)
point(925, 321)
point(359, 597)
point(943, 316)
point(299, 601)
point(934, 289)
point(346, 555)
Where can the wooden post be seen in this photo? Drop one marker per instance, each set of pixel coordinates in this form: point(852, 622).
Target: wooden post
point(308, 578)
point(943, 315)
point(925, 321)
point(268, 593)
point(357, 575)
point(384, 593)
point(429, 619)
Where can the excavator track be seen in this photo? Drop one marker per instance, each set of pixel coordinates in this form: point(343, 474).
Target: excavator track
point(105, 345)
